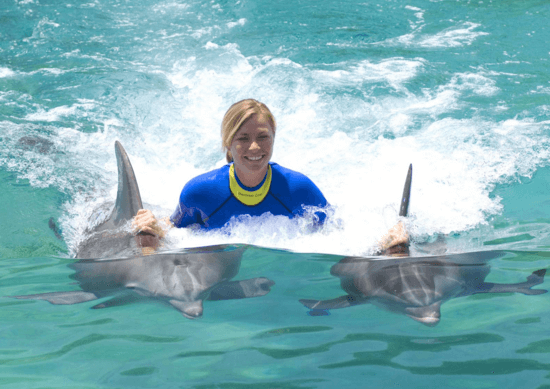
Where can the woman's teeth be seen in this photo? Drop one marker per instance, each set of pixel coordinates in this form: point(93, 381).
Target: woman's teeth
point(255, 158)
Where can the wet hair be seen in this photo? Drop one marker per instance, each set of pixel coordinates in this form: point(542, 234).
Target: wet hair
point(235, 117)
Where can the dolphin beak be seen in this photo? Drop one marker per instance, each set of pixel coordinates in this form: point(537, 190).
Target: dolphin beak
point(428, 315)
point(191, 310)
point(192, 314)
point(428, 321)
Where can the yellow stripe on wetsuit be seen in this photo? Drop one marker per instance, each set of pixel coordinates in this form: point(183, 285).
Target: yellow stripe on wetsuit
point(245, 196)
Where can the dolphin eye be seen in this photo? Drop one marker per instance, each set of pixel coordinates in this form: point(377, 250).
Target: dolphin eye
point(177, 262)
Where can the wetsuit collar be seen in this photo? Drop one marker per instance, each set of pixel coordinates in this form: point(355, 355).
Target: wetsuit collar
point(245, 196)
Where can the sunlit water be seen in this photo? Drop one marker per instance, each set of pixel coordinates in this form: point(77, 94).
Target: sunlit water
point(360, 90)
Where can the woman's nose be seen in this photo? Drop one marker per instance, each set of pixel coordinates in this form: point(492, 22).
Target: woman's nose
point(254, 146)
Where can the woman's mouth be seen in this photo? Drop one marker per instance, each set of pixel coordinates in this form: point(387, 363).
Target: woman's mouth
point(254, 159)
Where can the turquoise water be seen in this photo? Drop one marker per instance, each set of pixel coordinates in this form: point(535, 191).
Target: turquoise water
point(460, 89)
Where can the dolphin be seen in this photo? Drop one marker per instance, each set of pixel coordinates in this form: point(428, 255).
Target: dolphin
point(112, 263)
point(36, 143)
point(417, 286)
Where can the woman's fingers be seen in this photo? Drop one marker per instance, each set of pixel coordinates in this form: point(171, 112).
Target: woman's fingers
point(144, 221)
point(396, 235)
point(146, 229)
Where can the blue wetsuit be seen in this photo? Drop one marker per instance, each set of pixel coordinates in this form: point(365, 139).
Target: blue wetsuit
point(208, 201)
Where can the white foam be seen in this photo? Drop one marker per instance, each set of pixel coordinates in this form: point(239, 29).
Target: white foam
point(541, 90)
point(419, 14)
point(55, 114)
point(199, 33)
point(42, 29)
point(394, 71)
point(356, 146)
point(463, 35)
point(170, 7)
point(240, 22)
point(5, 72)
point(478, 83)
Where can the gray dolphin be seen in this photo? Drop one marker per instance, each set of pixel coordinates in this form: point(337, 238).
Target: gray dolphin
point(416, 287)
point(182, 279)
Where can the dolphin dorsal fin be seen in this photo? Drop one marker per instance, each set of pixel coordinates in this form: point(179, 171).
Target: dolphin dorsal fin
point(404, 208)
point(128, 199)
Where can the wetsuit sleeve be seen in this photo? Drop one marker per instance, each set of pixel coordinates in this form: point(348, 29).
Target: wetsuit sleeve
point(189, 211)
point(309, 195)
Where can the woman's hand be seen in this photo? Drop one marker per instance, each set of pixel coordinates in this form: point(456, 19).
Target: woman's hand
point(396, 241)
point(145, 221)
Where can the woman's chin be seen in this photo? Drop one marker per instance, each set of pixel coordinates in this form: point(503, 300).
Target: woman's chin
point(255, 166)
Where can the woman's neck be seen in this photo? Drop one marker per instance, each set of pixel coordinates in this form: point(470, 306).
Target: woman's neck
point(250, 179)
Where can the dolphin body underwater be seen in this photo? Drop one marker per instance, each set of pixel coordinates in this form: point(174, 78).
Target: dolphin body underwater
point(416, 286)
point(182, 279)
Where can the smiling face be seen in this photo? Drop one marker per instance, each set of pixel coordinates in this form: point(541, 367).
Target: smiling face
point(251, 148)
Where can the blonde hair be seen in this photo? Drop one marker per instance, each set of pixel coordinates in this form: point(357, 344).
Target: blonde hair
point(235, 117)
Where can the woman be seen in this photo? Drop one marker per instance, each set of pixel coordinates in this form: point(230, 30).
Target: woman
point(249, 185)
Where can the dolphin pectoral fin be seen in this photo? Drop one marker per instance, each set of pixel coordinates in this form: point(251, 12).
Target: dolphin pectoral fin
point(340, 302)
point(534, 279)
point(118, 301)
point(254, 287)
point(191, 310)
point(61, 298)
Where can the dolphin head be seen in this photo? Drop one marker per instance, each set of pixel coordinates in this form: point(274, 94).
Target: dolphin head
point(188, 279)
point(428, 315)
